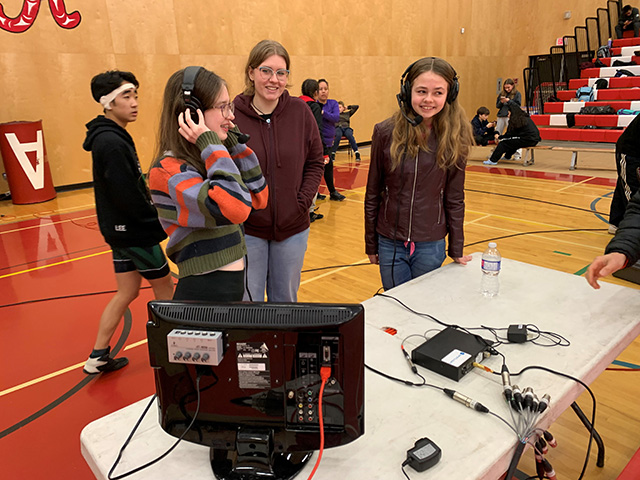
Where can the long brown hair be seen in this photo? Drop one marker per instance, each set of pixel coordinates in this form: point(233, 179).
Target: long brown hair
point(517, 119)
point(450, 126)
point(512, 93)
point(207, 89)
point(263, 50)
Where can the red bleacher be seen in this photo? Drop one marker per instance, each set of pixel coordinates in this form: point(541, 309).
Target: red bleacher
point(622, 93)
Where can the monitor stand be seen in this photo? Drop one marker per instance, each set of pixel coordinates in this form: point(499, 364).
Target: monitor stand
point(630, 274)
point(254, 459)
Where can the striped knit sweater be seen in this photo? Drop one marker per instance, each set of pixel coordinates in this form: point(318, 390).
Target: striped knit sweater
point(203, 216)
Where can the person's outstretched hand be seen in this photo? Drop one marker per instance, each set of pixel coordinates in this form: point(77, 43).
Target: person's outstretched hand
point(604, 265)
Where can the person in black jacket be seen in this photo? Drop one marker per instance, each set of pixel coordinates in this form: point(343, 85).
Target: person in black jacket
point(623, 249)
point(628, 167)
point(521, 132)
point(483, 130)
point(629, 20)
point(310, 89)
point(126, 216)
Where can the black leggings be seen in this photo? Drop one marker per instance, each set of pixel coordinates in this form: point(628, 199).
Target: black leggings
point(218, 286)
point(509, 147)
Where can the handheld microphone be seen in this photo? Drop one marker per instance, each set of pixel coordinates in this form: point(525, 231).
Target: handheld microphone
point(242, 137)
point(415, 121)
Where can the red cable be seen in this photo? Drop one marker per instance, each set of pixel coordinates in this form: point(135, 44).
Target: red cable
point(325, 373)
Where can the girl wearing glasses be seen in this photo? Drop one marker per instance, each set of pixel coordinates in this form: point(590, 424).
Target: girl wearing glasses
point(204, 185)
point(285, 137)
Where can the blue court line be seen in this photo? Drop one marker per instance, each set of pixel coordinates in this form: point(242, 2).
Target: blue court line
point(595, 202)
point(625, 364)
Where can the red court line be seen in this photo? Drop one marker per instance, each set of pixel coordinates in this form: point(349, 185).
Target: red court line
point(560, 177)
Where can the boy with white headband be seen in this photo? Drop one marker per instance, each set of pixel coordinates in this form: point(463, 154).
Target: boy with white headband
point(126, 216)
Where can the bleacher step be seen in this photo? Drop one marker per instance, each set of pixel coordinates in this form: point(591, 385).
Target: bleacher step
point(604, 94)
point(615, 82)
point(580, 135)
point(574, 107)
point(602, 121)
point(605, 72)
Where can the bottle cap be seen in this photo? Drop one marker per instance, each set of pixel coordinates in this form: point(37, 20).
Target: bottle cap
point(493, 244)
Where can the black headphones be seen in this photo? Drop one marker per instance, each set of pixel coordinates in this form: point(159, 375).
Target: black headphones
point(191, 102)
point(404, 97)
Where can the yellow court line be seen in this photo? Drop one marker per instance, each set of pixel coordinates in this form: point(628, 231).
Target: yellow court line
point(331, 272)
point(54, 264)
point(478, 219)
point(22, 229)
point(575, 184)
point(531, 222)
point(58, 373)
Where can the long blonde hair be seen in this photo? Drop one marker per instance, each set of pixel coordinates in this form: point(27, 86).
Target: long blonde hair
point(450, 126)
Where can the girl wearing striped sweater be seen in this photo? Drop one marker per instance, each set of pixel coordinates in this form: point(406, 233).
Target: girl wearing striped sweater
point(204, 185)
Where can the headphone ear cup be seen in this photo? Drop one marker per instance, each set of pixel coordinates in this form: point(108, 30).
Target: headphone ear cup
point(453, 93)
point(193, 104)
point(405, 93)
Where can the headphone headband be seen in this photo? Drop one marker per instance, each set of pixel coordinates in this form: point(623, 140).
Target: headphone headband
point(405, 90)
point(192, 102)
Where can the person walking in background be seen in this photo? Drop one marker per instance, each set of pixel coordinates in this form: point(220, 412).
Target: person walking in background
point(310, 97)
point(330, 116)
point(483, 130)
point(285, 137)
point(204, 184)
point(508, 96)
point(521, 132)
point(415, 188)
point(127, 218)
point(629, 20)
point(628, 167)
point(343, 129)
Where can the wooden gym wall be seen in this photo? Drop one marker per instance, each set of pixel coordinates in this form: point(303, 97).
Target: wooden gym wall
point(361, 46)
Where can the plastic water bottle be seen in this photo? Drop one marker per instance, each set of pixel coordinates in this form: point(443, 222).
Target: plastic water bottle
point(491, 261)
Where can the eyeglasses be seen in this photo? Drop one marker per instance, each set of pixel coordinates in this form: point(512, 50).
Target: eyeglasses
point(266, 73)
point(227, 109)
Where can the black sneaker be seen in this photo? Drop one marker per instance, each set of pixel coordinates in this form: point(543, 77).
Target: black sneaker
point(321, 196)
point(337, 196)
point(357, 157)
point(104, 364)
point(315, 216)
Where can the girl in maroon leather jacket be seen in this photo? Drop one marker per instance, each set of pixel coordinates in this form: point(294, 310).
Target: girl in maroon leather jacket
point(415, 188)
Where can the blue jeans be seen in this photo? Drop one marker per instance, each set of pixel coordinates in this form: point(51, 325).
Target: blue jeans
point(275, 267)
point(426, 257)
point(344, 132)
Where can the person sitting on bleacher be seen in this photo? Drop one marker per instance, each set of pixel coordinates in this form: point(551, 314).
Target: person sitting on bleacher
point(629, 20)
point(343, 129)
point(521, 132)
point(483, 130)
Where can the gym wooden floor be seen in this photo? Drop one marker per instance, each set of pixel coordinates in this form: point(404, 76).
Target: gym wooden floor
point(56, 277)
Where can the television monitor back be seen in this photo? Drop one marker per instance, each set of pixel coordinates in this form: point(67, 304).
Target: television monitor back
point(259, 368)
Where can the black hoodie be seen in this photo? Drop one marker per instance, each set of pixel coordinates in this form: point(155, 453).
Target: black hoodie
point(126, 216)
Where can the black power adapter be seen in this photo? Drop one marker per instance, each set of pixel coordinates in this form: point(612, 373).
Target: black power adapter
point(517, 333)
point(424, 454)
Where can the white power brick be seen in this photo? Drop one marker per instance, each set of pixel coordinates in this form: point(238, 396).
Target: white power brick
point(197, 347)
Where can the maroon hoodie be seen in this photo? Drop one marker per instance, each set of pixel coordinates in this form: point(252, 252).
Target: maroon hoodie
point(289, 149)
